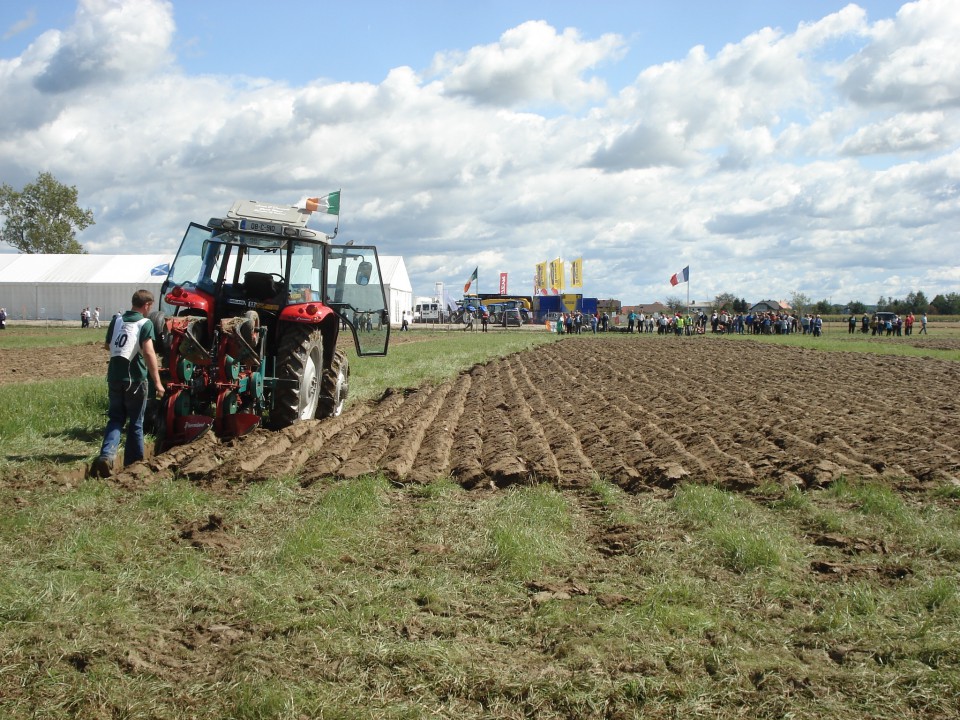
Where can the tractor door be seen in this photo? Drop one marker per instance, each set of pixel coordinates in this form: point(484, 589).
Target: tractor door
point(354, 290)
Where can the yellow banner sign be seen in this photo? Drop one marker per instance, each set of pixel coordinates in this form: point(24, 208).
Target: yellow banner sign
point(576, 273)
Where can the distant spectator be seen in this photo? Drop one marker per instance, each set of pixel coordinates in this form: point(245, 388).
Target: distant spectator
point(3, 318)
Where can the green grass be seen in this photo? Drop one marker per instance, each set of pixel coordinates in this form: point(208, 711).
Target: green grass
point(745, 537)
point(365, 600)
point(531, 529)
point(55, 421)
point(27, 336)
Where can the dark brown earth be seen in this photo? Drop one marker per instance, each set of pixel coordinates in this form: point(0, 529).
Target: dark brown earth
point(644, 415)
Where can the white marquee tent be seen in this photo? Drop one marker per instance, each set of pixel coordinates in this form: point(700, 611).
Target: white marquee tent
point(396, 283)
point(58, 287)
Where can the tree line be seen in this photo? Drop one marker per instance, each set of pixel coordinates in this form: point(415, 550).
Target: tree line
point(914, 302)
point(941, 304)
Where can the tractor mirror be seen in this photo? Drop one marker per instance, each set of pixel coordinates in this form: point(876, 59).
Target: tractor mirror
point(363, 273)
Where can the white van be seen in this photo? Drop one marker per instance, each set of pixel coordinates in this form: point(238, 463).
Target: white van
point(426, 310)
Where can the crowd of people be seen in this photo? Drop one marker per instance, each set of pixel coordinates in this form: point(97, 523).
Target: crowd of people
point(887, 324)
point(576, 323)
point(759, 323)
point(721, 323)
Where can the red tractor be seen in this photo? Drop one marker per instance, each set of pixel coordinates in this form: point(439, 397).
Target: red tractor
point(250, 314)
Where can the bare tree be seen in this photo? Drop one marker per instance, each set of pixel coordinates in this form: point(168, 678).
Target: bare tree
point(676, 304)
point(725, 301)
point(799, 303)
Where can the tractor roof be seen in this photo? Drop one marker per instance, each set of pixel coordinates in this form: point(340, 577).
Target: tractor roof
point(253, 210)
point(267, 219)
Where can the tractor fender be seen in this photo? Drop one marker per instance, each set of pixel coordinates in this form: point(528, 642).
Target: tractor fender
point(309, 313)
point(193, 299)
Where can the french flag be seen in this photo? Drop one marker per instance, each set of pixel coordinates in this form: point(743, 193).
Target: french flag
point(682, 276)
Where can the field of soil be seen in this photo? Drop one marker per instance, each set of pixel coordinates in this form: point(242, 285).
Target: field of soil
point(642, 414)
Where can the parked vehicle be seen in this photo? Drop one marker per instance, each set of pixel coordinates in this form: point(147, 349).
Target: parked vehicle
point(427, 310)
point(511, 317)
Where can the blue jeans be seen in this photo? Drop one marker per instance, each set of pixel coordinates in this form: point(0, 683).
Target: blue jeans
point(128, 401)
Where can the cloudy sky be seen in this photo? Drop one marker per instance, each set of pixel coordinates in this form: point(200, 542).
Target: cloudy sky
point(775, 147)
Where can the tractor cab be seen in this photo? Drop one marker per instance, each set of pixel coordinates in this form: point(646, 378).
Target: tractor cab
point(263, 258)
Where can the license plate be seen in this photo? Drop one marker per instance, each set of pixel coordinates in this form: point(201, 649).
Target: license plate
point(260, 226)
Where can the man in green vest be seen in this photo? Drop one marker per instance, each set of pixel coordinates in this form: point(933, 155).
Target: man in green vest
point(133, 360)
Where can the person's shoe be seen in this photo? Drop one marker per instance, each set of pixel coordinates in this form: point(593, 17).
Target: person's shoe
point(102, 467)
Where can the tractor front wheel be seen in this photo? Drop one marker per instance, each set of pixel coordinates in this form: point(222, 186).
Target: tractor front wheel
point(335, 386)
point(299, 375)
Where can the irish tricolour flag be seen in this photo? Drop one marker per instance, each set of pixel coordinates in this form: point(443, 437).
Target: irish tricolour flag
point(329, 204)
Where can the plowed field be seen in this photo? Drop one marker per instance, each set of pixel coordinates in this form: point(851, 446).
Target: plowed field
point(639, 413)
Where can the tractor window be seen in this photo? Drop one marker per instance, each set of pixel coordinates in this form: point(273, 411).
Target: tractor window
point(268, 261)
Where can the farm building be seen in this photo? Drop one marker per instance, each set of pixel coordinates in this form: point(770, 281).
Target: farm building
point(770, 306)
point(647, 309)
point(58, 287)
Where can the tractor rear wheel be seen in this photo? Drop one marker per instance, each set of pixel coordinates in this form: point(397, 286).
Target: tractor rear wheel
point(335, 386)
point(299, 374)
